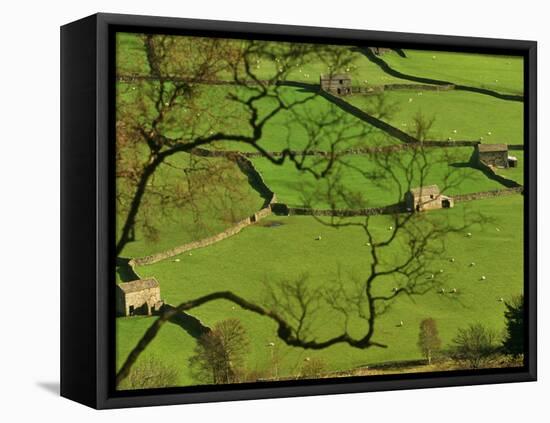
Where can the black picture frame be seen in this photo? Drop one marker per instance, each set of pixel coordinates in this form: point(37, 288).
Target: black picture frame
point(87, 204)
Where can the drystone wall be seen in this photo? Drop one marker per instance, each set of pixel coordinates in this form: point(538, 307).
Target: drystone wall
point(283, 209)
point(256, 181)
point(487, 194)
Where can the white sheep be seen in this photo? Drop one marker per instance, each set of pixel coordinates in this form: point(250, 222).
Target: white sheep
point(489, 133)
point(177, 260)
point(469, 234)
point(472, 264)
point(318, 238)
point(501, 300)
point(271, 344)
point(442, 290)
point(498, 229)
point(190, 254)
point(390, 228)
point(483, 278)
point(453, 291)
point(440, 270)
point(401, 323)
point(452, 259)
point(394, 289)
point(410, 100)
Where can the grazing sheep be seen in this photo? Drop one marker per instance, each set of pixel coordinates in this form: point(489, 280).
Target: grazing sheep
point(442, 290)
point(469, 234)
point(440, 270)
point(501, 300)
point(271, 344)
point(452, 259)
point(472, 264)
point(432, 276)
point(318, 238)
point(498, 229)
point(190, 254)
point(454, 131)
point(489, 133)
point(453, 291)
point(390, 228)
point(433, 57)
point(401, 323)
point(410, 100)
point(481, 138)
point(368, 244)
point(177, 260)
point(483, 278)
point(394, 289)
point(307, 359)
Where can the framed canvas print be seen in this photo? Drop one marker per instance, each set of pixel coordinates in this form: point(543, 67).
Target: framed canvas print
point(256, 211)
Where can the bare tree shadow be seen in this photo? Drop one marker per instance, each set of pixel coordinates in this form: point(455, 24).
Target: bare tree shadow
point(51, 387)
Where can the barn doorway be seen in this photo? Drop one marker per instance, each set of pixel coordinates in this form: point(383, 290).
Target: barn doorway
point(131, 310)
point(445, 204)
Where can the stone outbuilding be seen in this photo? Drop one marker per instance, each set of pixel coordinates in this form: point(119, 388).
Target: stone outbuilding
point(339, 84)
point(138, 297)
point(495, 155)
point(426, 198)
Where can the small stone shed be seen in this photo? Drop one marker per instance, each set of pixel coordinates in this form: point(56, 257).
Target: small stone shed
point(138, 297)
point(426, 198)
point(336, 84)
point(495, 155)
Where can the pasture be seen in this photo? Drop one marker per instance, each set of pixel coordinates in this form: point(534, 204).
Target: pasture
point(213, 194)
point(276, 253)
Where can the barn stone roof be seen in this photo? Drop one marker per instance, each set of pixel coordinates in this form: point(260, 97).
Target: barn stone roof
point(138, 285)
point(427, 190)
point(335, 76)
point(491, 148)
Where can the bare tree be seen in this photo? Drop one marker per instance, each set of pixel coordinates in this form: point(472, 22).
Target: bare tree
point(428, 338)
point(475, 345)
point(220, 354)
point(167, 111)
point(399, 261)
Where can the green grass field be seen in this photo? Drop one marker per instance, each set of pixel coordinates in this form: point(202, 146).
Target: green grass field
point(277, 253)
point(458, 115)
point(298, 188)
point(213, 209)
point(172, 346)
point(503, 74)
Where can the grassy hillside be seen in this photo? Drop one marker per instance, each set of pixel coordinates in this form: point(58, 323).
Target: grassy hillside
point(458, 115)
point(499, 73)
point(279, 252)
point(297, 188)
